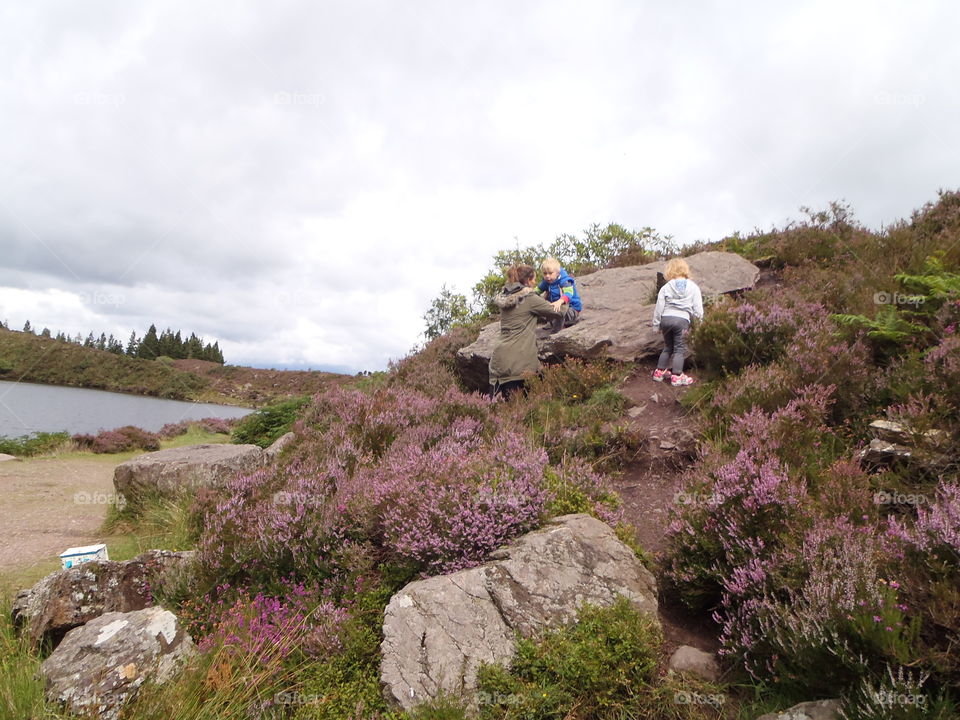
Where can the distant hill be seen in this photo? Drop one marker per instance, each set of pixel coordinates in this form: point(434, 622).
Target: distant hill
point(31, 358)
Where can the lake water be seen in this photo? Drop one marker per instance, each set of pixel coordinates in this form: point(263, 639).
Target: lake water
point(28, 407)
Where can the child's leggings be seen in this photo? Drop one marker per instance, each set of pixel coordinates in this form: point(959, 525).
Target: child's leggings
point(674, 344)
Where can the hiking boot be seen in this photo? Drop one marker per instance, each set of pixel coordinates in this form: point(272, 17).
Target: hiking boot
point(658, 374)
point(681, 379)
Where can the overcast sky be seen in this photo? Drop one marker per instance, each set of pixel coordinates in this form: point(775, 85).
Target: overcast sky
point(297, 180)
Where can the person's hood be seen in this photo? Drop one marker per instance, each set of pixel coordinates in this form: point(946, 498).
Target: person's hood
point(678, 288)
point(511, 295)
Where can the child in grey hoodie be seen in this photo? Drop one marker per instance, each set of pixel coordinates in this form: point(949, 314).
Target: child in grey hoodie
point(678, 303)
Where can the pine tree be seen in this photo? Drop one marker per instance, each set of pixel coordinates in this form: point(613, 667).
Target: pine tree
point(133, 344)
point(150, 345)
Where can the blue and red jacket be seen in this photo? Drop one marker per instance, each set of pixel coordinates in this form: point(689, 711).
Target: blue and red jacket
point(563, 287)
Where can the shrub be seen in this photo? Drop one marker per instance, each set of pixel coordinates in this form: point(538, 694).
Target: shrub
point(172, 430)
point(267, 629)
point(753, 332)
point(34, 444)
point(119, 440)
point(264, 426)
point(221, 426)
point(604, 666)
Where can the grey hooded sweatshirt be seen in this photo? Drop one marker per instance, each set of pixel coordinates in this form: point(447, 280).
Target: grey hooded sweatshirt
point(680, 297)
point(516, 355)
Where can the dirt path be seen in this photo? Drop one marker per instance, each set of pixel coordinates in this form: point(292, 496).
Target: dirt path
point(50, 504)
point(651, 488)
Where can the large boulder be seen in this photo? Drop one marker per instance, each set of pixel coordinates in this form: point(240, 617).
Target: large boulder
point(68, 598)
point(100, 666)
point(618, 311)
point(176, 471)
point(438, 631)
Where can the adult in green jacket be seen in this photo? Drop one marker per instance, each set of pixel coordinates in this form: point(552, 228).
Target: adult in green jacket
point(516, 356)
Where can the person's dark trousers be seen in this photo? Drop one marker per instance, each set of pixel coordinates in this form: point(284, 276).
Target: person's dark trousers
point(674, 343)
point(506, 389)
point(570, 317)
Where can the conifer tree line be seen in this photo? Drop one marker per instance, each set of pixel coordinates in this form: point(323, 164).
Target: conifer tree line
point(150, 346)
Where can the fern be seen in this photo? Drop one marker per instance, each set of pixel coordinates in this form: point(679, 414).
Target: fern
point(936, 284)
point(888, 327)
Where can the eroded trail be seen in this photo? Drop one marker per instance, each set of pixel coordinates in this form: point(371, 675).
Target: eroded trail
point(654, 485)
point(50, 504)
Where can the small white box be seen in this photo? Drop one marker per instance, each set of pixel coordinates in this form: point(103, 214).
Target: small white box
point(77, 555)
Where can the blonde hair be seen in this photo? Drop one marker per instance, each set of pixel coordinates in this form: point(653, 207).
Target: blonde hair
point(676, 268)
point(551, 264)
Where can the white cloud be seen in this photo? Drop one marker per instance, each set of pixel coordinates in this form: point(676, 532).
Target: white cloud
point(299, 182)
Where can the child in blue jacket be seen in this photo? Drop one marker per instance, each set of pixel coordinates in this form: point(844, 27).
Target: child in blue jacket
point(558, 285)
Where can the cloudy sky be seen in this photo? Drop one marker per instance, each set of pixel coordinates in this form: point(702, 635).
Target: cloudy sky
point(297, 180)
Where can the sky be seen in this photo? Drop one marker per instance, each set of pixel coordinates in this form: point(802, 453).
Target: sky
point(298, 180)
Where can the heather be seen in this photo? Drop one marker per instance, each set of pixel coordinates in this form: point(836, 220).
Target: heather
point(129, 437)
point(805, 556)
point(385, 482)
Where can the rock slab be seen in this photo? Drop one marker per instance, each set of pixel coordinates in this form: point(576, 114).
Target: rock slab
point(67, 599)
point(102, 665)
point(175, 471)
point(696, 662)
point(618, 311)
point(438, 631)
point(816, 710)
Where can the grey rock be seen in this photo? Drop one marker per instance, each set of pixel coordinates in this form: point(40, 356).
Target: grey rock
point(881, 452)
point(617, 316)
point(816, 710)
point(102, 665)
point(899, 434)
point(438, 631)
point(696, 662)
point(176, 471)
point(278, 446)
point(69, 598)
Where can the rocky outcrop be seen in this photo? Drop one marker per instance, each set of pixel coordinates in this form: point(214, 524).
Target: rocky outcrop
point(618, 310)
point(278, 446)
point(438, 631)
point(687, 659)
point(175, 471)
point(893, 441)
point(69, 598)
point(100, 666)
point(817, 710)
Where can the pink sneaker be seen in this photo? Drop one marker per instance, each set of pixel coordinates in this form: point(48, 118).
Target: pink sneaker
point(681, 379)
point(658, 375)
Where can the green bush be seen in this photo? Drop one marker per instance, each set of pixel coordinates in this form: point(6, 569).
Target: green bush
point(605, 666)
point(264, 426)
point(33, 444)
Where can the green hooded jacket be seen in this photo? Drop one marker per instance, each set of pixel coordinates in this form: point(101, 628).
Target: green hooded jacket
point(516, 355)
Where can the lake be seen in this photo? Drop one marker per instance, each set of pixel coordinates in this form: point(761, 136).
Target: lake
point(27, 408)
